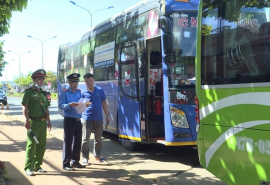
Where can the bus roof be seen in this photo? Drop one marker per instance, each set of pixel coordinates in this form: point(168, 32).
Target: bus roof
point(68, 45)
point(136, 10)
point(129, 13)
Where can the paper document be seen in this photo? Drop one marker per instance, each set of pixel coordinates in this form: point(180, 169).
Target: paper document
point(81, 107)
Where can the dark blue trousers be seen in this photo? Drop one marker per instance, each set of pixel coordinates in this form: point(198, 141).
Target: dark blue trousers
point(72, 141)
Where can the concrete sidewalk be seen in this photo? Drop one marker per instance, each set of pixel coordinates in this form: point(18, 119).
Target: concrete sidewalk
point(12, 152)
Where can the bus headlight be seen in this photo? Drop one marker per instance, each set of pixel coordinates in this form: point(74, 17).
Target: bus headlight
point(178, 118)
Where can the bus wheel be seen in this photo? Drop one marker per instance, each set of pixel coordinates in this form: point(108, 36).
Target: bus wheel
point(131, 146)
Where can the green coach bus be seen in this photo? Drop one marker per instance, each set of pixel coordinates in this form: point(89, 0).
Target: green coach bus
point(233, 90)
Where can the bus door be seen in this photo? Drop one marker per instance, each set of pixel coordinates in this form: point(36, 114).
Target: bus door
point(128, 99)
point(154, 92)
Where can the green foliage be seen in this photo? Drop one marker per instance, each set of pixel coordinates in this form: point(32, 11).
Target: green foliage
point(206, 29)
point(2, 54)
point(27, 80)
point(51, 77)
point(6, 7)
point(232, 5)
point(1, 86)
point(54, 95)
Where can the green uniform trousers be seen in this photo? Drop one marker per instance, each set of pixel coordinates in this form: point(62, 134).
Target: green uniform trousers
point(35, 152)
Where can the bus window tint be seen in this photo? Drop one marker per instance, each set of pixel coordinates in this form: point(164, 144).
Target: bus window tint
point(182, 72)
point(102, 73)
point(87, 57)
point(235, 44)
point(74, 59)
point(128, 76)
point(132, 29)
point(61, 66)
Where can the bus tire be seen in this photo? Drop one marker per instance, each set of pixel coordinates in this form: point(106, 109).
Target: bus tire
point(131, 146)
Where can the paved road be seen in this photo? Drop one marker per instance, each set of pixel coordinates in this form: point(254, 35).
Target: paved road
point(167, 165)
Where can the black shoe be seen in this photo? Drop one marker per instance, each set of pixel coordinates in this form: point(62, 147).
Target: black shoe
point(68, 168)
point(77, 166)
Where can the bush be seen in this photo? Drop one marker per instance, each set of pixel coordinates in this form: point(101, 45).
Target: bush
point(3, 170)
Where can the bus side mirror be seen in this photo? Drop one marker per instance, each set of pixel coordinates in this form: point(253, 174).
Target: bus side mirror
point(165, 24)
point(168, 43)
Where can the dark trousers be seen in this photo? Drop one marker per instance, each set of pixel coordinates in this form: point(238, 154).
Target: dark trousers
point(72, 141)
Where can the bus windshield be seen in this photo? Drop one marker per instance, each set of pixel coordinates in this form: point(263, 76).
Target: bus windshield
point(182, 72)
point(235, 43)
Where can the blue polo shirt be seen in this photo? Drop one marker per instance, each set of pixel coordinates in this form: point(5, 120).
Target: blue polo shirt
point(94, 111)
point(67, 97)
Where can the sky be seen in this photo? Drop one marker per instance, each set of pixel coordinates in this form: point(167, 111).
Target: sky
point(44, 19)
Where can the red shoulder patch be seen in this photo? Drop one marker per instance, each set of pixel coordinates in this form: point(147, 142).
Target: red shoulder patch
point(65, 90)
point(79, 89)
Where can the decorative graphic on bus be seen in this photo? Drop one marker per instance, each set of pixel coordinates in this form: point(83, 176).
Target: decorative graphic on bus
point(251, 24)
point(181, 95)
point(85, 60)
point(152, 24)
point(127, 77)
point(185, 21)
point(71, 66)
point(116, 69)
point(249, 145)
point(104, 55)
point(140, 65)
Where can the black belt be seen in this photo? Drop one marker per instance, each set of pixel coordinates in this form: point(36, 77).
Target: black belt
point(37, 119)
point(76, 119)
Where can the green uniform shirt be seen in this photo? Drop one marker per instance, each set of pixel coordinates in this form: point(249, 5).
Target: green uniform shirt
point(32, 98)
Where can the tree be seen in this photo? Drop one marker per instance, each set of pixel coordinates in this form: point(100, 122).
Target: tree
point(25, 81)
point(51, 77)
point(232, 5)
point(6, 7)
point(2, 54)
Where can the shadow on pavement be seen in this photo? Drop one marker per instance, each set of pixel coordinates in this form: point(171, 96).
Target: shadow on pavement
point(13, 171)
point(158, 152)
point(191, 179)
point(95, 174)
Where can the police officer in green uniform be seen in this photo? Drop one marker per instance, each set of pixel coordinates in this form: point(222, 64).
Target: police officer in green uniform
point(36, 113)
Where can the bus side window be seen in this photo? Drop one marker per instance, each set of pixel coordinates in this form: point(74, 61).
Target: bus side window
point(207, 78)
point(264, 43)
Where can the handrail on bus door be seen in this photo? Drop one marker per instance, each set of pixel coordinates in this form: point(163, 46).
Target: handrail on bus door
point(144, 111)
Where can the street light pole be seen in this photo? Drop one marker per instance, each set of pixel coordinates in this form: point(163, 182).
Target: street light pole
point(91, 14)
point(41, 46)
point(19, 55)
point(6, 76)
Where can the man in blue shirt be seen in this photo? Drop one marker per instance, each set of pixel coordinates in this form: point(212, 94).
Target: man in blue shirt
point(93, 119)
point(72, 124)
